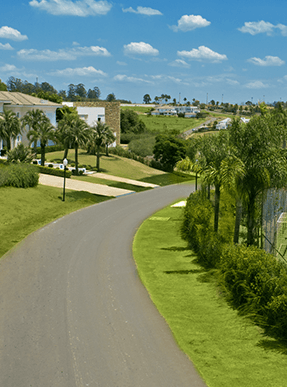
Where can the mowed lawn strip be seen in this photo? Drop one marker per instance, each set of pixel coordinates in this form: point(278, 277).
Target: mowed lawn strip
point(228, 350)
point(26, 210)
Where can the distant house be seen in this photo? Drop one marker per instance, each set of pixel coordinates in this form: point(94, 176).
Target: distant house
point(20, 104)
point(223, 124)
point(188, 111)
point(102, 111)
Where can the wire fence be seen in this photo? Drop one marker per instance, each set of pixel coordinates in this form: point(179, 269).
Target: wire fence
point(274, 222)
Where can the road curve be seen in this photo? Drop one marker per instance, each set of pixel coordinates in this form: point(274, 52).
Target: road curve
point(73, 312)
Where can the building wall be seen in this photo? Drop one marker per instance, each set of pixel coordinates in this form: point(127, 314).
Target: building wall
point(112, 114)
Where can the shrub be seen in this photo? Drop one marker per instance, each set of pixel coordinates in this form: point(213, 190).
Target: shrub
point(20, 154)
point(19, 175)
point(53, 171)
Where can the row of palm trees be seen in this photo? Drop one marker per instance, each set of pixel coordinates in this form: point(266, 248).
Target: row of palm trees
point(246, 160)
point(72, 132)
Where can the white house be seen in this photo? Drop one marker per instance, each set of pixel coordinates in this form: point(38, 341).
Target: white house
point(91, 115)
point(189, 111)
point(223, 124)
point(20, 104)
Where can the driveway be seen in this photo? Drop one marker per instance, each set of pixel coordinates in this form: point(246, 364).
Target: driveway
point(73, 311)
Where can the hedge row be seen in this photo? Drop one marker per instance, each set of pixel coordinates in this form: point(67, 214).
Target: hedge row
point(254, 281)
point(53, 171)
point(19, 175)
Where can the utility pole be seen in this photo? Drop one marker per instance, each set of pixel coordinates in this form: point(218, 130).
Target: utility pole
point(179, 98)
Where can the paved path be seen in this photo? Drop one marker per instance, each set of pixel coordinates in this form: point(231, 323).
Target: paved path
point(73, 312)
point(189, 132)
point(77, 185)
point(124, 180)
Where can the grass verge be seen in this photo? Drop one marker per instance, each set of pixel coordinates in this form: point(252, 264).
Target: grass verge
point(227, 349)
point(25, 210)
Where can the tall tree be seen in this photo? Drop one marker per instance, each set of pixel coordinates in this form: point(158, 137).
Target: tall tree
point(169, 149)
point(10, 127)
point(111, 97)
point(44, 132)
point(98, 137)
point(146, 98)
point(65, 118)
point(34, 119)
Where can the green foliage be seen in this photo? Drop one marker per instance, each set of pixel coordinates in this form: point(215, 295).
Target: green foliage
point(20, 154)
point(130, 125)
point(257, 284)
point(142, 145)
point(19, 176)
point(53, 171)
point(168, 150)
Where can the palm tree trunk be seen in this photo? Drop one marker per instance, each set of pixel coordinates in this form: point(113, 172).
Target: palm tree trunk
point(98, 158)
point(76, 158)
point(237, 220)
point(107, 150)
point(66, 153)
point(42, 154)
point(216, 207)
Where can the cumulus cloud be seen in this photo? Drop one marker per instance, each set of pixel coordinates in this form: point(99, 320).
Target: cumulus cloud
point(125, 78)
point(267, 61)
point(6, 46)
point(179, 63)
point(74, 8)
point(143, 11)
point(262, 27)
point(63, 54)
point(8, 68)
point(256, 85)
point(190, 22)
point(140, 48)
point(80, 71)
point(11, 33)
point(202, 53)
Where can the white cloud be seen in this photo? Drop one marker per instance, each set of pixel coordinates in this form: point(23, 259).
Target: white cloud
point(140, 48)
point(232, 82)
point(6, 46)
point(256, 85)
point(63, 54)
point(262, 27)
point(202, 53)
point(179, 63)
point(8, 68)
point(121, 63)
point(143, 11)
point(190, 22)
point(80, 71)
point(125, 78)
point(11, 33)
point(77, 8)
point(267, 61)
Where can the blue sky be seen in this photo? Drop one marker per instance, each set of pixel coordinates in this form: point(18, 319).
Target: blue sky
point(226, 51)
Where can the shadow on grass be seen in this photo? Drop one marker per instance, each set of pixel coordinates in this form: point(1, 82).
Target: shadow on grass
point(276, 345)
point(175, 248)
point(193, 271)
point(72, 196)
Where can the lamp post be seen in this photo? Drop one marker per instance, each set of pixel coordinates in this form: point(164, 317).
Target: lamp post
point(65, 162)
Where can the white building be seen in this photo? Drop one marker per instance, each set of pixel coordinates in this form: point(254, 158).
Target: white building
point(91, 115)
point(223, 124)
point(188, 111)
point(20, 104)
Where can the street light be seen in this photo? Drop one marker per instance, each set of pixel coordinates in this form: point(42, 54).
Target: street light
point(65, 162)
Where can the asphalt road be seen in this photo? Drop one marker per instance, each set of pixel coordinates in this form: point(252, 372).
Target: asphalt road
point(73, 312)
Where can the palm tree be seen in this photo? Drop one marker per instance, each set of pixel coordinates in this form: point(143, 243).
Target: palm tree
point(78, 134)
point(109, 138)
point(34, 119)
point(44, 133)
point(63, 135)
point(10, 127)
point(98, 138)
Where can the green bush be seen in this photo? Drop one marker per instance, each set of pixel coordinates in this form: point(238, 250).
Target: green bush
point(142, 145)
point(53, 171)
point(19, 175)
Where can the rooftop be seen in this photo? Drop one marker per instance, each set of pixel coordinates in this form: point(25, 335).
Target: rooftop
point(15, 98)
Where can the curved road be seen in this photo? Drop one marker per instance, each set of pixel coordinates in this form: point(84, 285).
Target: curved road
point(73, 312)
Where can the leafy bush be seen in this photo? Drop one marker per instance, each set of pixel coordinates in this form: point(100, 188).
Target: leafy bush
point(20, 154)
point(142, 145)
point(53, 171)
point(19, 175)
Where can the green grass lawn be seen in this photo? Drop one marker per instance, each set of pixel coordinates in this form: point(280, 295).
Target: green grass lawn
point(228, 350)
point(110, 183)
point(26, 210)
point(164, 124)
point(122, 167)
